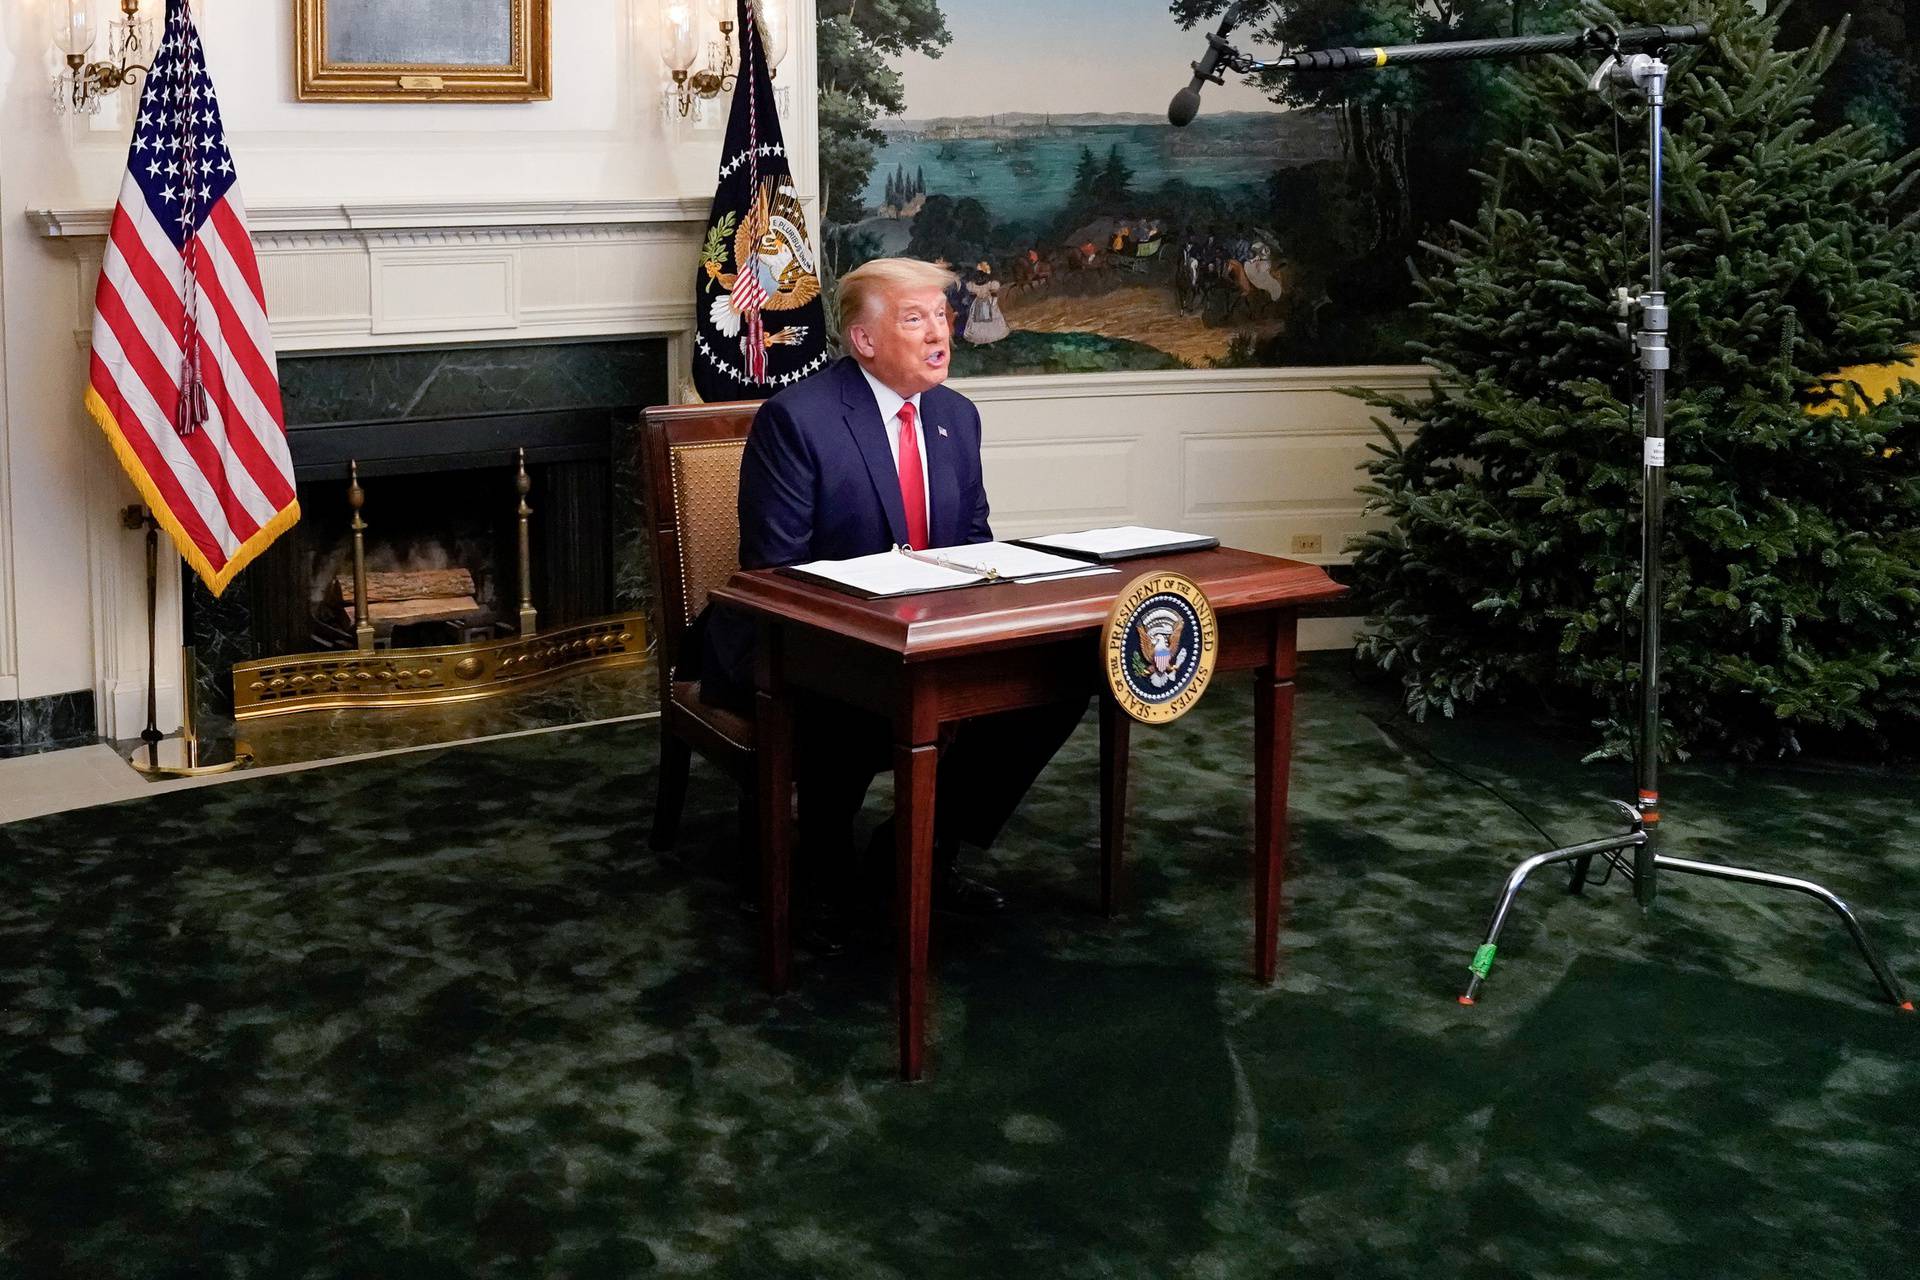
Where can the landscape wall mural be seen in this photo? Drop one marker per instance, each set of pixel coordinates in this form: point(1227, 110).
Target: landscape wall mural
point(1025, 143)
point(1276, 229)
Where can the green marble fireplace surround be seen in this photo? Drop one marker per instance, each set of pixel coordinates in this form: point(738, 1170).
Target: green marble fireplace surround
point(451, 415)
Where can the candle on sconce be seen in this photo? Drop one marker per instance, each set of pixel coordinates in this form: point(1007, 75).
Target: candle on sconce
point(74, 29)
point(679, 36)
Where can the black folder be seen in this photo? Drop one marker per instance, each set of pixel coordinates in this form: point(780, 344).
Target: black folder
point(1127, 553)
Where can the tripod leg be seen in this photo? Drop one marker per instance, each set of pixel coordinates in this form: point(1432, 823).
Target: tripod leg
point(1482, 961)
point(1742, 875)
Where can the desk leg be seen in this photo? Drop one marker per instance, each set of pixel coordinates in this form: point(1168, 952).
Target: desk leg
point(1115, 730)
point(1272, 761)
point(773, 743)
point(914, 770)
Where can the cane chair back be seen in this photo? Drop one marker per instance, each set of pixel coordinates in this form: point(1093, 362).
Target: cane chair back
point(693, 486)
point(692, 491)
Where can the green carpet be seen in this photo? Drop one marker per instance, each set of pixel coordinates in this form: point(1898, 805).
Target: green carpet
point(443, 1015)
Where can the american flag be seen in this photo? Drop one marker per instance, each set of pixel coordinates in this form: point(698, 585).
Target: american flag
point(748, 297)
point(183, 378)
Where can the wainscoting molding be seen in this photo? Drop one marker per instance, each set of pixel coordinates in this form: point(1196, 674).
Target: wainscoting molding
point(1259, 457)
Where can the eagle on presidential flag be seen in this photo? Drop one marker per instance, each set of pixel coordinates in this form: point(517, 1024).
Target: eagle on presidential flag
point(760, 323)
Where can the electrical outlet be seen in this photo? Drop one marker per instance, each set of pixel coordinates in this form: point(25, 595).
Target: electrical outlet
point(1307, 544)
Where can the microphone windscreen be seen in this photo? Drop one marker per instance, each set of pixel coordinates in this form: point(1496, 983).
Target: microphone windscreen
point(1184, 107)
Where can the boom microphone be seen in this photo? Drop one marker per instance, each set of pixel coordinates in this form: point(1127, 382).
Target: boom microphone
point(1597, 40)
point(1186, 103)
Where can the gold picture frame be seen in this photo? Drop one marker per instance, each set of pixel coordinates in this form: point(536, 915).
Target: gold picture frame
point(428, 51)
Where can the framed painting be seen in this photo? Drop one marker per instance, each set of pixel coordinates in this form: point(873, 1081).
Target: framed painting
point(423, 51)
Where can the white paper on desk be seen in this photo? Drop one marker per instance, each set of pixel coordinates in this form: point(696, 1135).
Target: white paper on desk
point(889, 574)
point(1006, 561)
point(1116, 540)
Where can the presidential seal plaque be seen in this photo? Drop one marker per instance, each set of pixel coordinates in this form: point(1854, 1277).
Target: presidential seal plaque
point(1159, 647)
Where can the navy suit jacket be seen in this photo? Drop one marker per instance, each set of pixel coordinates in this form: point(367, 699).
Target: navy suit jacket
point(818, 482)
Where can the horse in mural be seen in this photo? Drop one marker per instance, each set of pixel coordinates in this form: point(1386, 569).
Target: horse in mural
point(1214, 280)
point(1030, 270)
point(1189, 274)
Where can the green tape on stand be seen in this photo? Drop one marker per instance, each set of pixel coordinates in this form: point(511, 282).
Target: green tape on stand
point(1482, 960)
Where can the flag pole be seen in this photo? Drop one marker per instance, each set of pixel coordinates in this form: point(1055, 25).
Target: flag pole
point(158, 756)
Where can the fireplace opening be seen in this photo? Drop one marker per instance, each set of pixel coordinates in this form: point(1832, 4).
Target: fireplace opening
point(441, 559)
point(440, 502)
point(439, 437)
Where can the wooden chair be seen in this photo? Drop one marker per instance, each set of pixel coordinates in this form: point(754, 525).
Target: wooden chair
point(692, 490)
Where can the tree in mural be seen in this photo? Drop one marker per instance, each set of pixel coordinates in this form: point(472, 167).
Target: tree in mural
point(1409, 187)
point(957, 230)
point(1793, 539)
point(1401, 183)
point(857, 87)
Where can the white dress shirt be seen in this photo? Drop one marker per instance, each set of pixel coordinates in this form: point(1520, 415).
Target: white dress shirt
point(890, 402)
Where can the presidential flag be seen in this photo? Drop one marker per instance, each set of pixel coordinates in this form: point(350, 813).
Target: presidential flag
point(183, 379)
point(758, 321)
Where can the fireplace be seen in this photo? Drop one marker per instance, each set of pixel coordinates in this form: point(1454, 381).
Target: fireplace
point(438, 454)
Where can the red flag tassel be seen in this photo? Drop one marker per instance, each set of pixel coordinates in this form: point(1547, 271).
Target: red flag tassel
point(755, 345)
point(191, 413)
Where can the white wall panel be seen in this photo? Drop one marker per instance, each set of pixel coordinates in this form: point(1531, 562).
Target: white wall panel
point(445, 291)
point(1045, 486)
point(1263, 490)
point(1254, 457)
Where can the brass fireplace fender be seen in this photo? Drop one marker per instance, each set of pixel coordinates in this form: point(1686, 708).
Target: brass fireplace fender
point(443, 673)
point(367, 677)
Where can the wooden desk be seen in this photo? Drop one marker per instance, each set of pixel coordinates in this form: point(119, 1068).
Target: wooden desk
point(925, 660)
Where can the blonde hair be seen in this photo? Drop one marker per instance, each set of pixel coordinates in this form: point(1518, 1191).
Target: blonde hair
point(862, 288)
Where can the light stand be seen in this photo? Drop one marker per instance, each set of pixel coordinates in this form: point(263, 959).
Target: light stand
point(1647, 75)
point(1635, 60)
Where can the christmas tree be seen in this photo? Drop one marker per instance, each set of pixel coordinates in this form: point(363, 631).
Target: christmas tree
point(1792, 601)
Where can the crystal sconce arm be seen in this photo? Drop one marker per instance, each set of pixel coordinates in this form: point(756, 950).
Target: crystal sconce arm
point(84, 85)
point(681, 39)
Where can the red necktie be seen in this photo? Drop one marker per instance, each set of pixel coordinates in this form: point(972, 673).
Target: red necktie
point(913, 481)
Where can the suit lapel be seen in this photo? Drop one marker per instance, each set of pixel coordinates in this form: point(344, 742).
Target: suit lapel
point(943, 477)
point(870, 434)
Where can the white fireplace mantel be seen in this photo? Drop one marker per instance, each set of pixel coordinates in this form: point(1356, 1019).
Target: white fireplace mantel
point(389, 215)
point(412, 273)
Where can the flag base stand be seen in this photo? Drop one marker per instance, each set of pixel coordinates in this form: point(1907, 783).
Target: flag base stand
point(179, 758)
point(157, 756)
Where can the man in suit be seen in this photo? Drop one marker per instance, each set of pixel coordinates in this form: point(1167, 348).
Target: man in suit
point(870, 453)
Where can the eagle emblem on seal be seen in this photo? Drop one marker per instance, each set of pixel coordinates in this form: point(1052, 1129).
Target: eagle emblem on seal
point(1161, 655)
point(772, 270)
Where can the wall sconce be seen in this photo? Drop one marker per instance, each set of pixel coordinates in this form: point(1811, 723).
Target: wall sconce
point(681, 40)
point(83, 85)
